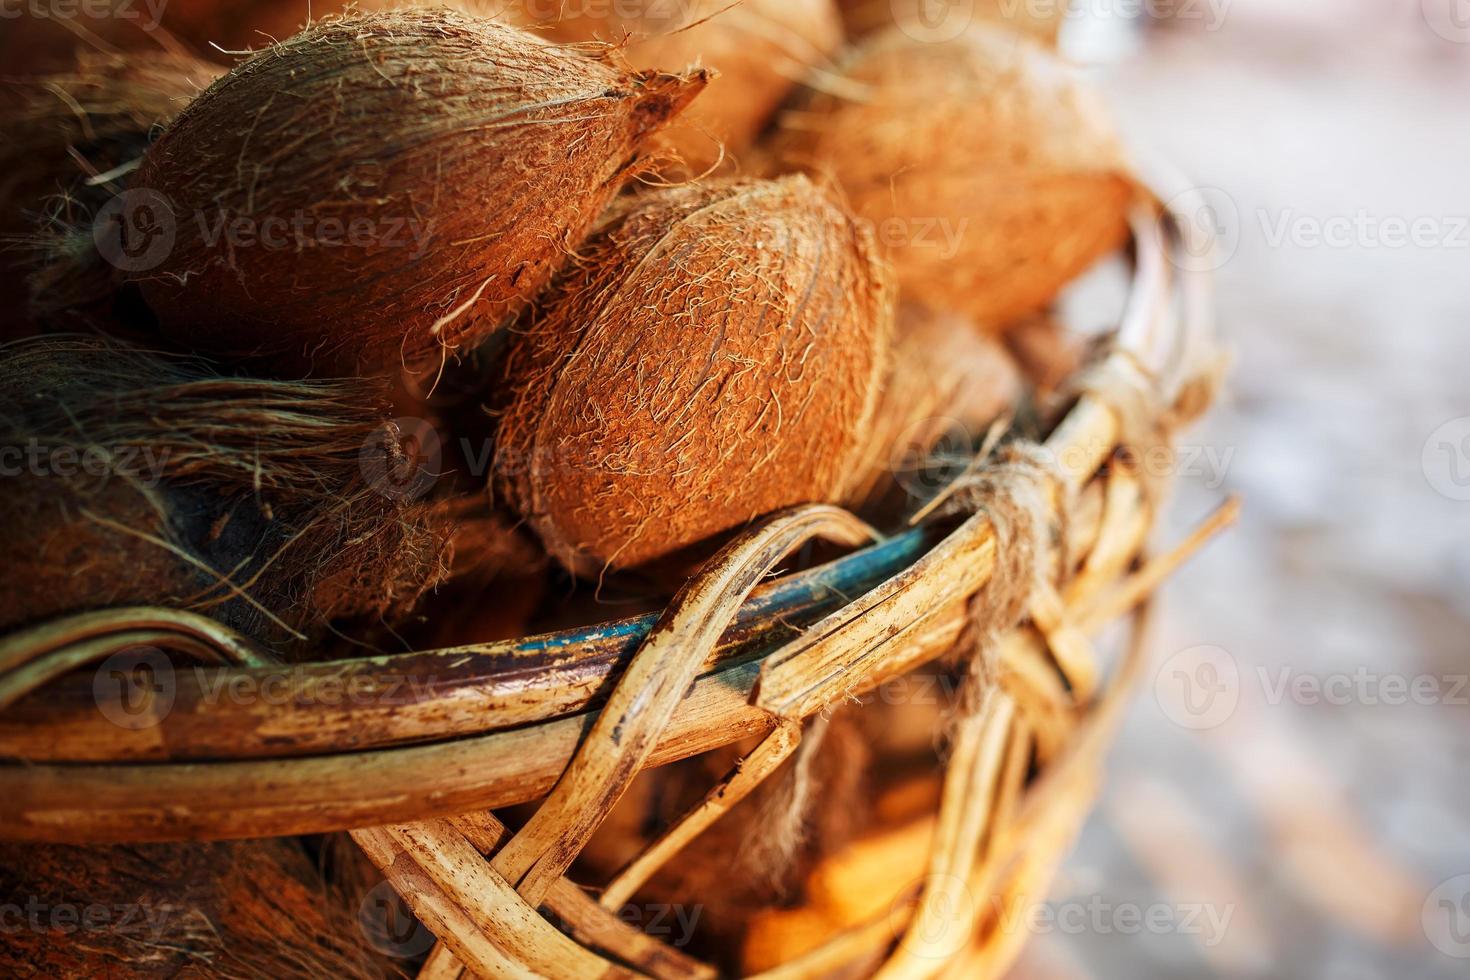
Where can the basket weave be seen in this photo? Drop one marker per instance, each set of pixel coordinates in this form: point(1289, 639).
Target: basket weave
point(1029, 554)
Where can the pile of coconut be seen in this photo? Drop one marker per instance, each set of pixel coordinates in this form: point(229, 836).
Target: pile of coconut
point(424, 326)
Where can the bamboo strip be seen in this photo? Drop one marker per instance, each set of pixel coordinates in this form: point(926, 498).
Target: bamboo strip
point(1120, 536)
point(947, 909)
point(587, 922)
point(749, 773)
point(495, 910)
point(1127, 594)
point(374, 702)
point(626, 732)
point(842, 653)
point(439, 912)
point(21, 680)
point(1069, 648)
point(38, 641)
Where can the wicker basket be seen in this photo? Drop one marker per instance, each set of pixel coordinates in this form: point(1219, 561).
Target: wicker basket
point(1031, 553)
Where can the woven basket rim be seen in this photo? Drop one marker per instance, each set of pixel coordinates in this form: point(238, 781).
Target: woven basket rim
point(132, 794)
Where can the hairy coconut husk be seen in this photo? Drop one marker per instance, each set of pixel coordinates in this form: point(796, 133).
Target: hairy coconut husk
point(222, 910)
point(716, 356)
point(381, 187)
point(70, 139)
point(991, 173)
point(946, 384)
point(497, 579)
point(133, 477)
point(939, 20)
point(758, 48)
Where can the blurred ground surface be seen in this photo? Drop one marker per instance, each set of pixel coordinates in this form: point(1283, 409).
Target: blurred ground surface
point(1297, 772)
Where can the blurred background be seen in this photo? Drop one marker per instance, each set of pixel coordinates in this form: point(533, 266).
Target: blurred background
point(1289, 797)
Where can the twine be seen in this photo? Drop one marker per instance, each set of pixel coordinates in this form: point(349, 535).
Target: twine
point(1026, 495)
point(1015, 493)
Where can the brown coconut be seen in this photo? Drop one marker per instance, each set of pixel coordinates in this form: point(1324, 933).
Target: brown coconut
point(239, 909)
point(991, 173)
point(138, 479)
point(947, 384)
point(758, 48)
point(384, 187)
point(940, 20)
point(715, 356)
point(71, 139)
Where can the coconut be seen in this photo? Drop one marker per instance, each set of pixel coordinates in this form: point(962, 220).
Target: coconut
point(71, 139)
point(715, 356)
point(940, 20)
point(239, 909)
point(758, 49)
point(143, 479)
point(991, 173)
point(381, 187)
point(947, 384)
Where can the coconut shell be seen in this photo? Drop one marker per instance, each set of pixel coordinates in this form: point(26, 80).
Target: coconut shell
point(240, 909)
point(936, 20)
point(384, 187)
point(70, 139)
point(758, 48)
point(136, 478)
point(946, 385)
point(992, 175)
point(716, 356)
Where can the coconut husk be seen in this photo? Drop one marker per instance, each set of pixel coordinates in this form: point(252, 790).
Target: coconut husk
point(939, 19)
point(992, 175)
point(222, 910)
point(386, 187)
point(758, 48)
point(270, 505)
point(71, 139)
point(947, 384)
point(497, 580)
point(715, 356)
